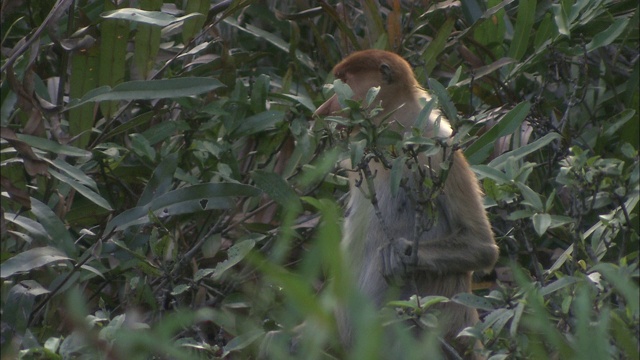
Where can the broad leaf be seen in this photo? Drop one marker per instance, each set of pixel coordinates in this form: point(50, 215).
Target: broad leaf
point(31, 259)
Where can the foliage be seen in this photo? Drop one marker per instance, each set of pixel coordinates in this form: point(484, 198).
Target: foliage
point(164, 194)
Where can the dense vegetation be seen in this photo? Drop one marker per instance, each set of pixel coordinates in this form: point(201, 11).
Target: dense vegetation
point(164, 193)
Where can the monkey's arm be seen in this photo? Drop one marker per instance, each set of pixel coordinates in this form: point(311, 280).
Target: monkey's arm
point(467, 246)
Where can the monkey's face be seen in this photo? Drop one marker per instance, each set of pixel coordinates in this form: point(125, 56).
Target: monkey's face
point(363, 70)
point(360, 83)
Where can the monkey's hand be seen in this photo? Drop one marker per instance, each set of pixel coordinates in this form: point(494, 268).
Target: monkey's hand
point(396, 260)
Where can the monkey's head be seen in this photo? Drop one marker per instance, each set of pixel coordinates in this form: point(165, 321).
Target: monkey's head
point(363, 70)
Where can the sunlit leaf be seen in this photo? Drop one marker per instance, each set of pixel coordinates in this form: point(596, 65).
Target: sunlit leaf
point(156, 18)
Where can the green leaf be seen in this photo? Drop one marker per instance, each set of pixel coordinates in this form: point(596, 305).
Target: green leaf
point(242, 341)
point(372, 93)
point(474, 301)
point(259, 92)
point(435, 48)
point(428, 301)
point(397, 172)
point(607, 36)
point(497, 319)
point(235, 254)
point(623, 283)
point(55, 228)
point(561, 260)
point(190, 199)
point(357, 151)
point(562, 21)
point(73, 172)
point(342, 91)
point(444, 101)
point(31, 259)
point(275, 40)
point(486, 70)
point(532, 197)
point(500, 161)
point(484, 171)
point(85, 191)
point(513, 329)
point(82, 79)
point(161, 180)
point(156, 18)
point(52, 146)
point(260, 122)
point(541, 223)
point(147, 40)
point(276, 187)
point(151, 89)
point(192, 27)
point(615, 122)
point(300, 99)
point(545, 31)
point(477, 152)
point(523, 26)
point(423, 118)
point(557, 285)
point(141, 147)
point(114, 35)
point(34, 229)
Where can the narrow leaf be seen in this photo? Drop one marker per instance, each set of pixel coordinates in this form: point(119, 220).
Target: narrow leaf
point(607, 36)
point(147, 41)
point(557, 285)
point(482, 147)
point(52, 146)
point(83, 78)
point(85, 191)
point(156, 18)
point(484, 171)
point(500, 161)
point(435, 48)
point(523, 26)
point(114, 35)
point(152, 89)
point(184, 200)
point(192, 27)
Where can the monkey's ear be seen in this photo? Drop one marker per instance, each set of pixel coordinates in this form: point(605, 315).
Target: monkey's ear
point(387, 73)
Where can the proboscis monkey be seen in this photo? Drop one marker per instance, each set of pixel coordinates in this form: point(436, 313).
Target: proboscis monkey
point(379, 243)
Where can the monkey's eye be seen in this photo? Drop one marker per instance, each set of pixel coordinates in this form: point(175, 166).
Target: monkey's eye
point(408, 251)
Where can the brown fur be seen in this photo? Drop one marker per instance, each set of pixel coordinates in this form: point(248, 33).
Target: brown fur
point(461, 241)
